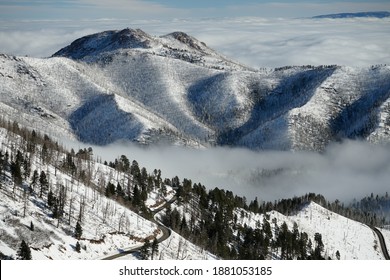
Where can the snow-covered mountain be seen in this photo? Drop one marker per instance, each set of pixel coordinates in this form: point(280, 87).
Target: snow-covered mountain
point(130, 85)
point(380, 14)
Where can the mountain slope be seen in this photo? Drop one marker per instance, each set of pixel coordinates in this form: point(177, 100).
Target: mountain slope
point(46, 218)
point(352, 239)
point(129, 85)
point(111, 203)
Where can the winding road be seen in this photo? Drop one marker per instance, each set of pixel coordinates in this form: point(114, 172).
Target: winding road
point(166, 233)
point(382, 242)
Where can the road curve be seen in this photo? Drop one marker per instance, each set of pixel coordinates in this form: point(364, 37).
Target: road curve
point(382, 242)
point(166, 234)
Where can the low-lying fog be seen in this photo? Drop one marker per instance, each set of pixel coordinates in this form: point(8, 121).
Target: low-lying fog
point(344, 171)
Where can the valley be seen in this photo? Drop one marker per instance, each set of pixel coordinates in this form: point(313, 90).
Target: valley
point(287, 142)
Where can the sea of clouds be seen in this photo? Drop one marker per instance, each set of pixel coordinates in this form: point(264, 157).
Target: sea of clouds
point(256, 42)
point(345, 171)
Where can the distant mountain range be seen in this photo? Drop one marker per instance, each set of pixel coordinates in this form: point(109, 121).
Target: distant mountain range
point(381, 14)
point(129, 85)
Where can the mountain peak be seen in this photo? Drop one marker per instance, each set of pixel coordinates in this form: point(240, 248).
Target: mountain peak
point(106, 41)
point(188, 40)
point(176, 45)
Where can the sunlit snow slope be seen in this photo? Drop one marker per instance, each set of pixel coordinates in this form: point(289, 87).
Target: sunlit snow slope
point(129, 85)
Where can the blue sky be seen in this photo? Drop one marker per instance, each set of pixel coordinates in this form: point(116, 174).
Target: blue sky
point(163, 9)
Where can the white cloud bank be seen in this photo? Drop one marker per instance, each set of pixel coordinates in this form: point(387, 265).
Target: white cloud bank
point(257, 42)
point(345, 171)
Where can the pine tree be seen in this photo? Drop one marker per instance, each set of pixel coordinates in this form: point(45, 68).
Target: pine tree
point(119, 191)
point(303, 240)
point(24, 252)
point(44, 153)
point(16, 173)
point(34, 180)
point(110, 189)
point(145, 250)
point(44, 183)
point(51, 199)
point(31, 226)
point(78, 232)
point(338, 254)
point(154, 247)
point(78, 247)
point(137, 200)
point(319, 246)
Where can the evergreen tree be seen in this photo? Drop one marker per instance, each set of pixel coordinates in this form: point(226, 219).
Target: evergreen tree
point(254, 206)
point(267, 229)
point(145, 250)
point(55, 209)
point(50, 199)
point(110, 189)
point(44, 153)
point(135, 171)
point(43, 182)
point(26, 168)
point(319, 248)
point(34, 180)
point(119, 191)
point(137, 199)
point(69, 164)
point(184, 227)
point(309, 250)
point(24, 252)
point(123, 164)
point(78, 247)
point(303, 240)
point(78, 231)
point(338, 254)
point(31, 226)
point(16, 172)
point(154, 247)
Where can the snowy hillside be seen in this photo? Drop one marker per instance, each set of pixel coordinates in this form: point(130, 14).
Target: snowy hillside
point(108, 227)
point(343, 238)
point(66, 205)
point(174, 89)
point(352, 239)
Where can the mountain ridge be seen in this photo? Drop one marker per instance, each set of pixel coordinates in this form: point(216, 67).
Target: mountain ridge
point(128, 85)
point(378, 14)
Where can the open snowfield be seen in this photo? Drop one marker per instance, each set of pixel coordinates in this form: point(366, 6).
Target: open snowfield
point(352, 239)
